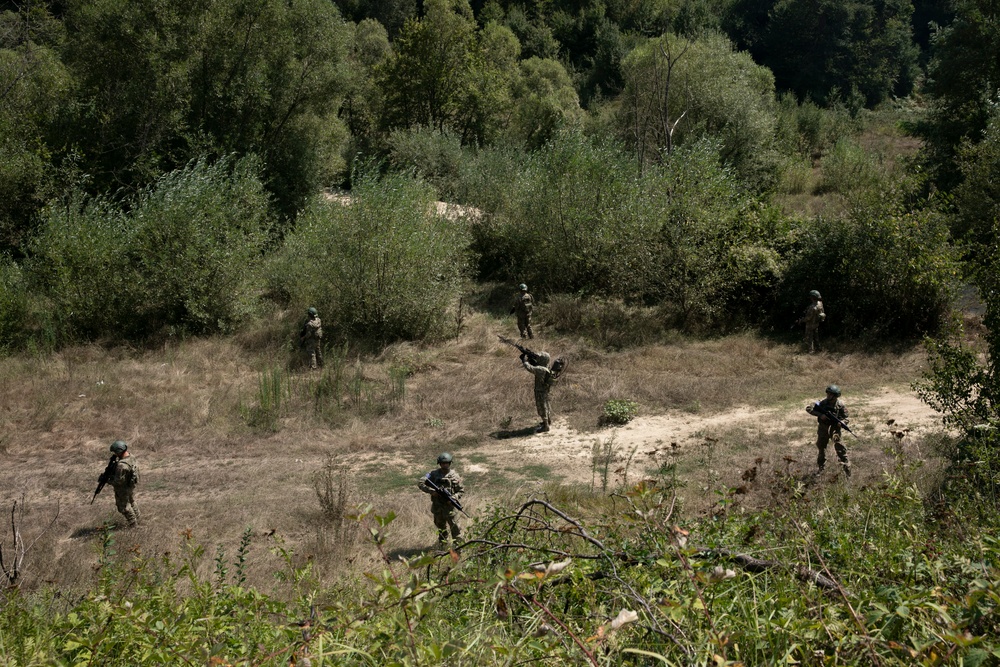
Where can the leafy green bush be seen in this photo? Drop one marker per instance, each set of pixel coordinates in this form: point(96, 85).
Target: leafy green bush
point(848, 167)
point(884, 272)
point(619, 411)
point(579, 217)
point(384, 267)
point(180, 256)
point(13, 305)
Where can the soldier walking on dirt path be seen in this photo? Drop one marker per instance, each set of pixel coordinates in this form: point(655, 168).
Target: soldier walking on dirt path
point(311, 339)
point(831, 415)
point(545, 378)
point(440, 484)
point(522, 307)
point(124, 478)
point(812, 317)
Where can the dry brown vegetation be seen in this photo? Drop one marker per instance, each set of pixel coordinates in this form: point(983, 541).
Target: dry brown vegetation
point(183, 409)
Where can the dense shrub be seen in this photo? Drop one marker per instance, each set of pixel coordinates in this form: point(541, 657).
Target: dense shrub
point(383, 267)
point(579, 217)
point(182, 257)
point(884, 273)
point(13, 304)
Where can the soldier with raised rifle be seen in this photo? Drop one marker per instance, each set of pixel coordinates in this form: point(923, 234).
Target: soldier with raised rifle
point(445, 488)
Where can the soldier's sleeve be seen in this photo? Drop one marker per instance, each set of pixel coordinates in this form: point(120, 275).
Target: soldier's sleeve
point(842, 409)
point(457, 488)
point(422, 485)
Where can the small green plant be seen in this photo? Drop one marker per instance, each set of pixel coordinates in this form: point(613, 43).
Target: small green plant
point(602, 455)
point(273, 390)
point(619, 411)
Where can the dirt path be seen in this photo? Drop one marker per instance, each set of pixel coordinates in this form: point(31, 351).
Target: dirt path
point(788, 430)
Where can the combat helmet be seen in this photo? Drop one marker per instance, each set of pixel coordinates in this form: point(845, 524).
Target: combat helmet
point(118, 447)
point(833, 389)
point(445, 457)
point(312, 312)
point(815, 294)
point(543, 358)
point(522, 287)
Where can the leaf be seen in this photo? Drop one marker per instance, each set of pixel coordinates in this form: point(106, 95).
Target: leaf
point(624, 617)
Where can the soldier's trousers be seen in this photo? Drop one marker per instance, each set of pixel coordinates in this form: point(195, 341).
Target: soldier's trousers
point(444, 518)
point(542, 406)
point(314, 353)
point(524, 325)
point(812, 338)
point(824, 434)
point(125, 503)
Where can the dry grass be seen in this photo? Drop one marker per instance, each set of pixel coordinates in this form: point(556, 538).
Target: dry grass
point(206, 472)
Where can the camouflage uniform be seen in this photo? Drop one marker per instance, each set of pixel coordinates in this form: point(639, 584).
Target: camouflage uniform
point(544, 379)
point(523, 305)
point(312, 341)
point(441, 509)
point(813, 315)
point(828, 429)
point(125, 478)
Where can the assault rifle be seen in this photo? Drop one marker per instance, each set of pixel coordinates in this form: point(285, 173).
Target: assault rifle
point(533, 357)
point(818, 408)
point(106, 476)
point(446, 493)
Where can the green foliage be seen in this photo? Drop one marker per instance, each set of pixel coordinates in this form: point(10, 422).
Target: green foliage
point(680, 91)
point(182, 257)
point(434, 156)
point(34, 86)
point(13, 305)
point(576, 580)
point(884, 272)
point(961, 81)
point(847, 167)
point(159, 84)
point(576, 216)
point(544, 102)
point(619, 411)
point(385, 267)
point(862, 50)
point(977, 198)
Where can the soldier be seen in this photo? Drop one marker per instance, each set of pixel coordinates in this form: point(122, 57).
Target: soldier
point(813, 315)
point(311, 338)
point(523, 305)
point(123, 480)
point(829, 428)
point(442, 510)
point(545, 377)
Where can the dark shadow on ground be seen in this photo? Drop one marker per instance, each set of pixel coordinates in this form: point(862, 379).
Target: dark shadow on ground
point(93, 531)
point(519, 433)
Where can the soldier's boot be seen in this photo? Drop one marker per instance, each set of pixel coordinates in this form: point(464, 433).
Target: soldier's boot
point(544, 428)
point(847, 470)
point(130, 517)
point(135, 512)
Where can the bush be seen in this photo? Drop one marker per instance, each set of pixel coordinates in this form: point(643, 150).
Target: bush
point(383, 268)
point(13, 305)
point(884, 272)
point(619, 411)
point(179, 256)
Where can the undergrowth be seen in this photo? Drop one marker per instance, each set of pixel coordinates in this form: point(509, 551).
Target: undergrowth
point(849, 577)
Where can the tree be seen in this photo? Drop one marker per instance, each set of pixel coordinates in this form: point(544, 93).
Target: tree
point(544, 101)
point(34, 85)
point(822, 49)
point(679, 90)
point(964, 82)
point(160, 83)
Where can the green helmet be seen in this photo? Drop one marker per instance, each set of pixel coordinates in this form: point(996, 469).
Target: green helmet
point(815, 294)
point(543, 358)
point(833, 389)
point(312, 312)
point(118, 447)
point(522, 287)
point(445, 457)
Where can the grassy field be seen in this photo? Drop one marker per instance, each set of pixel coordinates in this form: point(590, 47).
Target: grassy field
point(233, 434)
